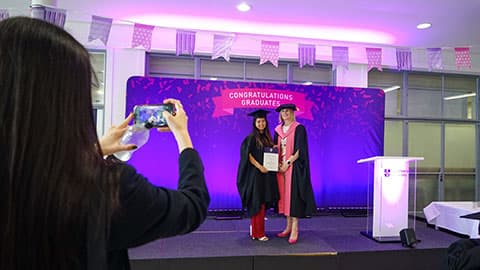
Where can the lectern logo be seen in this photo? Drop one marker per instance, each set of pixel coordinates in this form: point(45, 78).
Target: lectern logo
point(386, 172)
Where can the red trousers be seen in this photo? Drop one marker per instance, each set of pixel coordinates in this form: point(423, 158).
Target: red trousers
point(258, 223)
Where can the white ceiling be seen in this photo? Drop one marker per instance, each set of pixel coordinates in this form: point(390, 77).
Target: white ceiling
point(456, 23)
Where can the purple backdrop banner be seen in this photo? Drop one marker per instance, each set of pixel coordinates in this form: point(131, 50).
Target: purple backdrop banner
point(343, 125)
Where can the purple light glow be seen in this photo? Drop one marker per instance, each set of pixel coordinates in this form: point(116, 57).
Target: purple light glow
point(343, 125)
point(270, 29)
point(394, 188)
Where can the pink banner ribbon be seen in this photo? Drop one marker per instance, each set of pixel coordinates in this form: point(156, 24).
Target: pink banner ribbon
point(231, 99)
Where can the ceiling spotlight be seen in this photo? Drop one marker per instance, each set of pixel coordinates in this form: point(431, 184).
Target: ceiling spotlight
point(424, 26)
point(243, 7)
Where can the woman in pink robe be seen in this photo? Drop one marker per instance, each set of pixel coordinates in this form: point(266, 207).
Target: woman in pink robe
point(294, 184)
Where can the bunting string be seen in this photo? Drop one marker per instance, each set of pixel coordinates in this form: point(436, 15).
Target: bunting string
point(100, 29)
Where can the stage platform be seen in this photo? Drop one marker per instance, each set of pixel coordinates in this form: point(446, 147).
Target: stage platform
point(330, 242)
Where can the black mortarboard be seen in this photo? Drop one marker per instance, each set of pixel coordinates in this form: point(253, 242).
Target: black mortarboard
point(472, 216)
point(286, 106)
point(259, 113)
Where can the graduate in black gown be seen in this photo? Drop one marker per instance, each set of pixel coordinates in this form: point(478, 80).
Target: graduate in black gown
point(257, 186)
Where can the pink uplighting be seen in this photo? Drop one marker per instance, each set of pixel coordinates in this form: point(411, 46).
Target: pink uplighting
point(268, 29)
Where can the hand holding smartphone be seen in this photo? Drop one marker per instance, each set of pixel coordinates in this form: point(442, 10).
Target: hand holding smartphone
point(151, 116)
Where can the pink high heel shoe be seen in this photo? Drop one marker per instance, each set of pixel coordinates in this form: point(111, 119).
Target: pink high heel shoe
point(293, 240)
point(283, 234)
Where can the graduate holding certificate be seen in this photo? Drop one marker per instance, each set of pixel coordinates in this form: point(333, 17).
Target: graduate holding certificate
point(257, 186)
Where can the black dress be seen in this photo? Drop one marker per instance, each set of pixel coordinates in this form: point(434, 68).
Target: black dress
point(148, 212)
point(255, 188)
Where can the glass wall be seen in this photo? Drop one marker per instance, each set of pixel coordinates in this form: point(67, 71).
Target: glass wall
point(393, 138)
point(460, 97)
point(424, 95)
point(459, 162)
point(392, 85)
point(424, 140)
point(433, 115)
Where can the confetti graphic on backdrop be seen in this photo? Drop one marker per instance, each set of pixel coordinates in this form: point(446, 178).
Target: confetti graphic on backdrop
point(346, 124)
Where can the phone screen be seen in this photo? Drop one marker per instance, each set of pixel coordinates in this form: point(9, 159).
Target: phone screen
point(151, 115)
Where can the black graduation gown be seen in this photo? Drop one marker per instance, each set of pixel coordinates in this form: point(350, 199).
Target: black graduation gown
point(302, 200)
point(255, 188)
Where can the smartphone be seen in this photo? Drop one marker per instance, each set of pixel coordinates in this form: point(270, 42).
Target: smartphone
point(152, 115)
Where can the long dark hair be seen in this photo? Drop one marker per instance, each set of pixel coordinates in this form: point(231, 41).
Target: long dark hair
point(262, 139)
point(52, 174)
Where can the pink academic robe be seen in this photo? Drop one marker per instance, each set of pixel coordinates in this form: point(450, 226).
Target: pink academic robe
point(285, 179)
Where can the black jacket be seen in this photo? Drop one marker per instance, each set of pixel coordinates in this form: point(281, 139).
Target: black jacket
point(148, 212)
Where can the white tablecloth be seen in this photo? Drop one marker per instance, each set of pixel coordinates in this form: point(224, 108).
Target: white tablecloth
point(447, 215)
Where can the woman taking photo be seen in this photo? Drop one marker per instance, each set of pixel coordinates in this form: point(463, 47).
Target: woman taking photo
point(63, 205)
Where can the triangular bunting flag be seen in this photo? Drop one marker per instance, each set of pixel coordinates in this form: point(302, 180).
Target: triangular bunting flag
point(462, 57)
point(3, 14)
point(142, 35)
point(306, 55)
point(339, 57)
point(404, 59)
point(374, 58)
point(185, 42)
point(434, 58)
point(222, 46)
point(52, 15)
point(100, 29)
point(270, 52)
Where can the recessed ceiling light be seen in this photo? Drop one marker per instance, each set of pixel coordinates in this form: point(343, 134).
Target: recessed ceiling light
point(213, 78)
point(243, 7)
point(424, 26)
point(307, 83)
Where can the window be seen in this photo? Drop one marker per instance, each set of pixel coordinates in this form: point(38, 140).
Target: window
point(238, 69)
point(98, 89)
point(439, 124)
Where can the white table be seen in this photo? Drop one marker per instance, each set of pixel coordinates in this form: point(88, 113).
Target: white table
point(447, 215)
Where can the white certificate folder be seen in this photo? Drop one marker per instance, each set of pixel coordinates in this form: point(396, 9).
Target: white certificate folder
point(270, 159)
